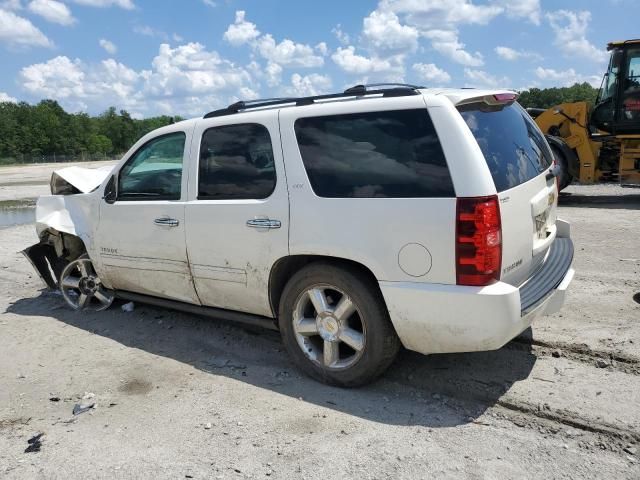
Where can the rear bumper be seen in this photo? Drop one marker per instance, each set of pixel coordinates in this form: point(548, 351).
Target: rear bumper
point(449, 318)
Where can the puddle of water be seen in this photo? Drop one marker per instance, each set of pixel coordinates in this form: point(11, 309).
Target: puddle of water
point(17, 212)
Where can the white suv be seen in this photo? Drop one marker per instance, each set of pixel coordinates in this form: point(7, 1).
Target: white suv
point(352, 222)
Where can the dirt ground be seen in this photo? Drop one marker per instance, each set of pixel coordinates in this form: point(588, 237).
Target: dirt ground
point(180, 396)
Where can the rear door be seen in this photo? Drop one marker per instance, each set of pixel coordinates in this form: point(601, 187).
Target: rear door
point(237, 216)
point(519, 160)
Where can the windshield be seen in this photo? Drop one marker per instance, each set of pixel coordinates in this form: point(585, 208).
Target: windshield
point(512, 144)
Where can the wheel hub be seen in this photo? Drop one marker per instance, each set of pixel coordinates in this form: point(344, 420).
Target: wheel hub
point(89, 285)
point(328, 327)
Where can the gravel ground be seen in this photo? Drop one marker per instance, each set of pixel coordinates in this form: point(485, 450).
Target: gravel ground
point(180, 396)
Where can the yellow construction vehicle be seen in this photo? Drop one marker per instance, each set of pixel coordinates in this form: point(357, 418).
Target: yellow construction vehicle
point(603, 143)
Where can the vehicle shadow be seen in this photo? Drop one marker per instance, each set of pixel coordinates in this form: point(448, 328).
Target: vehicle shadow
point(434, 391)
point(630, 201)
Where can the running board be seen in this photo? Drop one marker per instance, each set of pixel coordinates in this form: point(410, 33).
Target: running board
point(216, 313)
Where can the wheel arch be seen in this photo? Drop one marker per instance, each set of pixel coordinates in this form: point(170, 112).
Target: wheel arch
point(285, 267)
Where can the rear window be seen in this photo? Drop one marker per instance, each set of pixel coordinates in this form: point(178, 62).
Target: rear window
point(512, 144)
point(374, 154)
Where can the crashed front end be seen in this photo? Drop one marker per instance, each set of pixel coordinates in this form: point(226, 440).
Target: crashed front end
point(64, 221)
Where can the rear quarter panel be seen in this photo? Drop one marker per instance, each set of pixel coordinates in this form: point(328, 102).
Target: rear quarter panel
point(371, 231)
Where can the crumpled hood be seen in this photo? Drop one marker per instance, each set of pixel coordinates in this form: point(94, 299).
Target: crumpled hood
point(71, 180)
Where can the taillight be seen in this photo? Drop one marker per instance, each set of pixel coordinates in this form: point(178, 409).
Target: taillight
point(478, 241)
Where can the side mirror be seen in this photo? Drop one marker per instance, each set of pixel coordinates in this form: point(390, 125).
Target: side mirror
point(110, 191)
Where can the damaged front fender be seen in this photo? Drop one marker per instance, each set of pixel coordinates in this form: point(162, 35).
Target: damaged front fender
point(65, 221)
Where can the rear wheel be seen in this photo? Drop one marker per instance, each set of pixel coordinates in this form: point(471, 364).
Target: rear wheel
point(335, 325)
point(565, 178)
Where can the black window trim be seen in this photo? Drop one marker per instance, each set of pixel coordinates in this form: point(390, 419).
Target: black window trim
point(133, 155)
point(275, 170)
point(424, 108)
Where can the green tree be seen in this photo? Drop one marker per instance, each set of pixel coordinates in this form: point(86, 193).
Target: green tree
point(550, 97)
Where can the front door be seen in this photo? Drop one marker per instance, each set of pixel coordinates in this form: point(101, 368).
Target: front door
point(141, 236)
point(238, 212)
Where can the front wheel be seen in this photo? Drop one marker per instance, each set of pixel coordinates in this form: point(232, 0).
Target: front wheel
point(81, 287)
point(335, 325)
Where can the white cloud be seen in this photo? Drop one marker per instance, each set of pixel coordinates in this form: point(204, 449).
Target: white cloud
point(4, 97)
point(52, 11)
point(313, 84)
point(209, 3)
point(11, 5)
point(322, 49)
point(529, 9)
point(429, 14)
point(384, 33)
point(126, 4)
point(510, 54)
point(480, 79)
point(108, 46)
point(570, 30)
point(431, 73)
point(446, 42)
point(187, 80)
point(19, 32)
point(273, 74)
point(566, 78)
point(342, 37)
point(241, 31)
point(350, 62)
point(287, 52)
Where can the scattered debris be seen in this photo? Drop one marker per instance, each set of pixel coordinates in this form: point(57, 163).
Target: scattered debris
point(128, 307)
point(79, 408)
point(556, 354)
point(631, 450)
point(88, 395)
point(35, 443)
point(54, 399)
point(207, 426)
point(225, 363)
point(601, 363)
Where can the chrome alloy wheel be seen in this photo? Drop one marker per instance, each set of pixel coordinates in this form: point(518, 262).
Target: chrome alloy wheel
point(82, 289)
point(328, 327)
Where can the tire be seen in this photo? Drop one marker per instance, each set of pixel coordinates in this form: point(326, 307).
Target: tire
point(348, 312)
point(565, 178)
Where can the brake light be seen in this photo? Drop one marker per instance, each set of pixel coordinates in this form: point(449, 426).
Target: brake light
point(478, 241)
point(505, 97)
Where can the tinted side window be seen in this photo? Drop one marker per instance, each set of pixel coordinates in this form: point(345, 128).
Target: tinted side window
point(236, 162)
point(154, 172)
point(512, 144)
point(374, 154)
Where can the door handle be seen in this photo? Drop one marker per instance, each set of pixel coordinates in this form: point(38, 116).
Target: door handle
point(263, 223)
point(166, 222)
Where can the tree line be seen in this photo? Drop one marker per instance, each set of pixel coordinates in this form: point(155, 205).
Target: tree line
point(45, 129)
point(550, 97)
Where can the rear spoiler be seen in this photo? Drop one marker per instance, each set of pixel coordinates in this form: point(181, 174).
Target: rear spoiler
point(493, 100)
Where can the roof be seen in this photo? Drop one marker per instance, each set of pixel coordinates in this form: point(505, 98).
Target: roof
point(455, 95)
point(622, 43)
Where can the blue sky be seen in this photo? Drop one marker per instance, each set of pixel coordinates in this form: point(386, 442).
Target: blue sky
point(187, 57)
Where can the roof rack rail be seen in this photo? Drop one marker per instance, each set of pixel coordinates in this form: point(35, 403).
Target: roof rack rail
point(394, 90)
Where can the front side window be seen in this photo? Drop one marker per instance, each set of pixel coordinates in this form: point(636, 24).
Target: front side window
point(374, 154)
point(154, 172)
point(513, 146)
point(236, 162)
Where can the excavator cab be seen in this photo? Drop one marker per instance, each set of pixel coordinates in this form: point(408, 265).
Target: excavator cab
point(617, 109)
